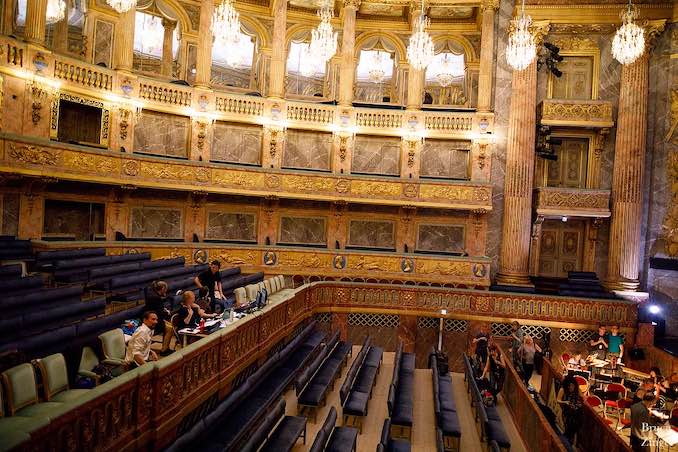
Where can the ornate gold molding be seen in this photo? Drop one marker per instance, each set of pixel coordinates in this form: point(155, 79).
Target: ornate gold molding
point(591, 113)
point(81, 164)
point(573, 202)
point(670, 225)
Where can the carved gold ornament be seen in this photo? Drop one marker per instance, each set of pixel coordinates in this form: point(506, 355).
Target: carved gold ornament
point(674, 115)
point(670, 225)
point(130, 168)
point(33, 155)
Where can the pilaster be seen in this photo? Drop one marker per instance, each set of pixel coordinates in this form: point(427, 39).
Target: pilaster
point(486, 71)
point(36, 12)
point(167, 56)
point(203, 66)
point(60, 44)
point(347, 65)
point(278, 54)
point(123, 51)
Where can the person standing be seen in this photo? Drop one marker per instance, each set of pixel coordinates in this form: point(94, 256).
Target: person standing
point(211, 278)
point(481, 341)
point(571, 402)
point(527, 352)
point(615, 343)
point(642, 424)
point(518, 335)
point(599, 343)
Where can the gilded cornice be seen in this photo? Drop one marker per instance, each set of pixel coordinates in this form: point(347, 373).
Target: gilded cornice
point(569, 13)
point(39, 158)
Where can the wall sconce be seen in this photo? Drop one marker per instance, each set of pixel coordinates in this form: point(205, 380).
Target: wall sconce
point(202, 119)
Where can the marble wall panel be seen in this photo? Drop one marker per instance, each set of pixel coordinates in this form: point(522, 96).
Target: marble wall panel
point(376, 155)
point(445, 238)
point(103, 43)
point(162, 134)
point(307, 150)
point(446, 158)
point(155, 223)
point(10, 214)
point(303, 230)
point(231, 226)
point(73, 220)
point(382, 336)
point(237, 143)
point(371, 234)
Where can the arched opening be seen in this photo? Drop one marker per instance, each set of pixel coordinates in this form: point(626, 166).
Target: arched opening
point(157, 38)
point(379, 73)
point(446, 83)
point(237, 67)
point(306, 77)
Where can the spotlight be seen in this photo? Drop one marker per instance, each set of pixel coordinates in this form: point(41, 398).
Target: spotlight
point(443, 311)
point(654, 309)
point(564, 219)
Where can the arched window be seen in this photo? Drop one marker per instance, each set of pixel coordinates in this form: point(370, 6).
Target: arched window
point(67, 35)
point(232, 66)
point(378, 72)
point(154, 25)
point(305, 77)
point(446, 79)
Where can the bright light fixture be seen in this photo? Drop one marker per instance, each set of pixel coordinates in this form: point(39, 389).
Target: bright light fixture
point(629, 41)
point(122, 6)
point(420, 50)
point(324, 38)
point(56, 11)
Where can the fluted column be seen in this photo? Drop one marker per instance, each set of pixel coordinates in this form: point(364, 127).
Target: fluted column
point(347, 69)
point(167, 41)
point(124, 40)
point(623, 262)
point(415, 77)
point(279, 50)
point(61, 33)
point(203, 65)
point(515, 239)
point(485, 73)
point(36, 12)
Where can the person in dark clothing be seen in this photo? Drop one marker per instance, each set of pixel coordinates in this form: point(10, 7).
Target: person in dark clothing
point(156, 299)
point(481, 341)
point(571, 403)
point(190, 313)
point(211, 279)
point(494, 371)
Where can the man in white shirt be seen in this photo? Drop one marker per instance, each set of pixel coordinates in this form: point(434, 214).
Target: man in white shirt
point(139, 346)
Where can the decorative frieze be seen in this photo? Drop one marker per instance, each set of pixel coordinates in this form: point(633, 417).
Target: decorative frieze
point(578, 202)
point(582, 113)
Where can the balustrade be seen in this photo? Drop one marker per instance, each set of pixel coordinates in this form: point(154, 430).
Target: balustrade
point(164, 93)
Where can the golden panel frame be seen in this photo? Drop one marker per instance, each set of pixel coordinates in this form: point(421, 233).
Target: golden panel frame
point(570, 133)
point(104, 133)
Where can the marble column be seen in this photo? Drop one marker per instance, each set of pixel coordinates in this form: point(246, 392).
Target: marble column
point(60, 44)
point(203, 66)
point(167, 54)
point(516, 226)
point(347, 68)
point(36, 12)
point(124, 41)
point(415, 77)
point(279, 50)
point(486, 71)
point(623, 264)
point(407, 332)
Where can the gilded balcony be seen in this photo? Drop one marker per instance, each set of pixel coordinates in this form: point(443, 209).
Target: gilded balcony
point(596, 114)
point(573, 202)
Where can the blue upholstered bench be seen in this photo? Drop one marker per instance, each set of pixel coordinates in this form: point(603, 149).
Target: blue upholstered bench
point(388, 444)
point(334, 439)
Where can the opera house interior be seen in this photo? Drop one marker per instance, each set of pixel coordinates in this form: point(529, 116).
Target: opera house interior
point(339, 225)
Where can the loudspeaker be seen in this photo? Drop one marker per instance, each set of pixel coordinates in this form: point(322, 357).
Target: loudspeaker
point(637, 353)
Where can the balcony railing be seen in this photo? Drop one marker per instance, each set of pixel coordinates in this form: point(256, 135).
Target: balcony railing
point(575, 202)
point(578, 113)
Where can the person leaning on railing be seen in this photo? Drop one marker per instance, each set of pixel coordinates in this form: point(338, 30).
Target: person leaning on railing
point(156, 298)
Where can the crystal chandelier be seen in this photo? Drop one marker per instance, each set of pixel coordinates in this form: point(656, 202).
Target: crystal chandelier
point(629, 40)
point(521, 49)
point(323, 39)
point(448, 72)
point(376, 73)
point(226, 24)
point(122, 6)
point(56, 11)
point(420, 51)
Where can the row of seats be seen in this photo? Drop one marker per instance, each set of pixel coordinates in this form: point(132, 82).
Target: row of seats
point(317, 380)
point(276, 432)
point(77, 270)
point(356, 391)
point(10, 271)
point(27, 410)
point(21, 286)
point(12, 249)
point(332, 438)
point(389, 444)
point(229, 426)
point(401, 392)
point(488, 422)
point(274, 287)
point(44, 260)
point(448, 427)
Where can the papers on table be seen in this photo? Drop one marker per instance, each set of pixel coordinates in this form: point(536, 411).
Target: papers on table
point(667, 435)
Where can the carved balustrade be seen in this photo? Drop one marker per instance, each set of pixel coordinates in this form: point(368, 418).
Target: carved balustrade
point(577, 113)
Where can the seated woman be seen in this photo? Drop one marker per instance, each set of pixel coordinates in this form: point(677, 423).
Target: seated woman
point(576, 362)
point(156, 300)
point(190, 313)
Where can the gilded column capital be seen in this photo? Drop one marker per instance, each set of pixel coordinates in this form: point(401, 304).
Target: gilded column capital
point(540, 29)
point(489, 4)
point(355, 4)
point(653, 28)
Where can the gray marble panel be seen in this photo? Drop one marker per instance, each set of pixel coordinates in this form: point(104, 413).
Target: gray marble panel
point(237, 143)
point(103, 42)
point(241, 227)
point(155, 223)
point(371, 234)
point(307, 150)
point(445, 158)
point(73, 220)
point(303, 230)
point(376, 155)
point(447, 238)
point(10, 214)
point(162, 134)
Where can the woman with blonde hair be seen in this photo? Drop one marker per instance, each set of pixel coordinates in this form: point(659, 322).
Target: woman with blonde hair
point(526, 353)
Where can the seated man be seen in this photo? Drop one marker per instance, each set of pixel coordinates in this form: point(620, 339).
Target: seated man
point(139, 346)
point(190, 313)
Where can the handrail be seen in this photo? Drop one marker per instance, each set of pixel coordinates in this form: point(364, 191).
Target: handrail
point(594, 434)
point(538, 436)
